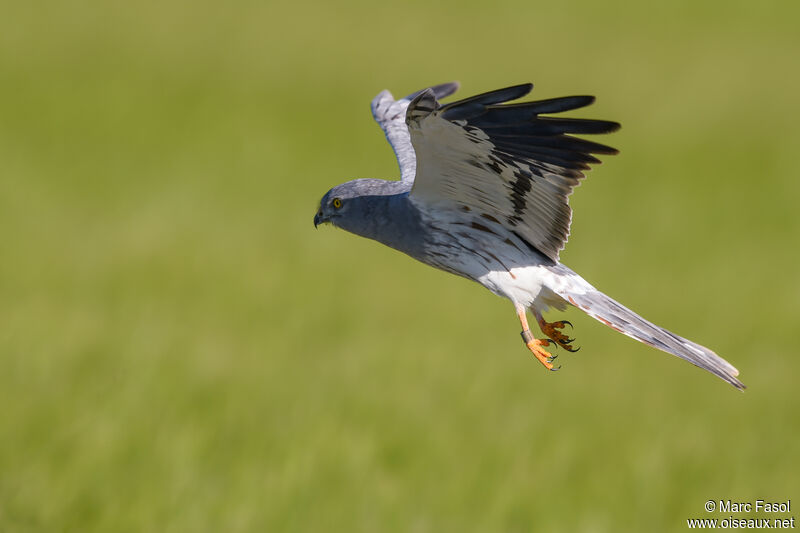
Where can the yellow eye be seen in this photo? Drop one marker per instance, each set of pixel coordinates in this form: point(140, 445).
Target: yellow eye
point(337, 203)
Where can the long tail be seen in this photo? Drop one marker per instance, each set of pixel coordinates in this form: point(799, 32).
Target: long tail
point(615, 315)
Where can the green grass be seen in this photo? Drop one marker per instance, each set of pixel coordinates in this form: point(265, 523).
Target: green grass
point(181, 351)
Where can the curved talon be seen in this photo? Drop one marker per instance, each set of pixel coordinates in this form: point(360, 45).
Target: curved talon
point(552, 330)
point(571, 349)
point(555, 368)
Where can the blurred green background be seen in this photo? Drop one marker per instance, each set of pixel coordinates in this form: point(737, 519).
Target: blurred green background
point(181, 351)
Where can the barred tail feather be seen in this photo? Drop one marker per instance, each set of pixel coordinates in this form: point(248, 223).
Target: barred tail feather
point(615, 315)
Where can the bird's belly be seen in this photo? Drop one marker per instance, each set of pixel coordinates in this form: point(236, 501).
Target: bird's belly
point(522, 285)
point(510, 271)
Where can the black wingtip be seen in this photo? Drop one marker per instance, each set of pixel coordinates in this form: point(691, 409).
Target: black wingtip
point(612, 126)
point(504, 95)
point(497, 96)
point(555, 105)
point(584, 126)
point(528, 87)
point(443, 90)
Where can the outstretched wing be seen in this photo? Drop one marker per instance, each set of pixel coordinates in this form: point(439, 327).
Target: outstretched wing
point(505, 161)
point(390, 114)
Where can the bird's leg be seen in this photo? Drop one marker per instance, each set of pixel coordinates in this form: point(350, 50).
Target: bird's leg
point(535, 345)
point(551, 329)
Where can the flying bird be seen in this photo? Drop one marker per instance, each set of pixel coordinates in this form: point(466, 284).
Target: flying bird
point(483, 193)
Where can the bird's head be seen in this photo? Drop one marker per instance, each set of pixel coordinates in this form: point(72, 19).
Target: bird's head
point(347, 205)
point(335, 205)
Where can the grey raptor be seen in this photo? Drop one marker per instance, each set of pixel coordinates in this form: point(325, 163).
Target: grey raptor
point(483, 193)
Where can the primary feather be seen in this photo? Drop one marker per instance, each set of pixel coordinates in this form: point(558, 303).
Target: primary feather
point(505, 160)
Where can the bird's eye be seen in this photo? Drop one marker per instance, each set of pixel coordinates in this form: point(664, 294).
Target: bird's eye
point(337, 203)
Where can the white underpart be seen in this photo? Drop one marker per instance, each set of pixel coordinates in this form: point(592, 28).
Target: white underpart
point(511, 271)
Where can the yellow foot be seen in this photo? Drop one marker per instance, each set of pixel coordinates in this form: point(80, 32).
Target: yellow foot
point(551, 329)
point(536, 348)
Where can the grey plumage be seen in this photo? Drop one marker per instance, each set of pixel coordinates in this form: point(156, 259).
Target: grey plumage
point(391, 117)
point(616, 316)
point(484, 194)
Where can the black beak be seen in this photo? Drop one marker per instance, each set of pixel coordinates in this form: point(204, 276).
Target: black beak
point(317, 219)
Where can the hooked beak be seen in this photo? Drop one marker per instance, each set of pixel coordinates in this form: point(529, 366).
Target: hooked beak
point(318, 219)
